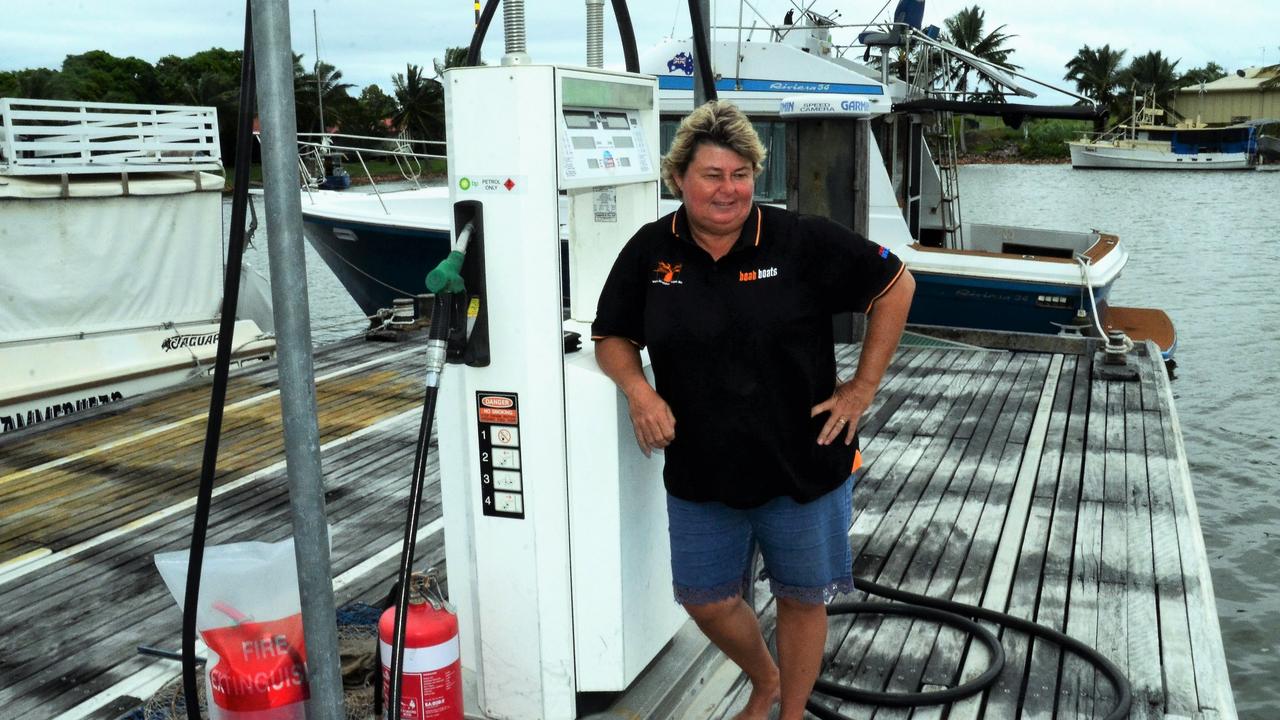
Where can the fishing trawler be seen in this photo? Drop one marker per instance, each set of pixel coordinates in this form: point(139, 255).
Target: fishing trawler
point(1145, 142)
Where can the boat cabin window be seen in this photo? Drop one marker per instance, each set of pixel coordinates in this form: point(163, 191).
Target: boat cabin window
point(771, 184)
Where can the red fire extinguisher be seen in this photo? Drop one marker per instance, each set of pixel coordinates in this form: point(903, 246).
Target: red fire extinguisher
point(431, 688)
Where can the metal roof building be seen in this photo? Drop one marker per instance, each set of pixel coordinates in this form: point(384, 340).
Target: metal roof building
point(1235, 98)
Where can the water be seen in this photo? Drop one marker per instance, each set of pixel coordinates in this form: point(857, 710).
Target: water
point(1205, 248)
point(334, 315)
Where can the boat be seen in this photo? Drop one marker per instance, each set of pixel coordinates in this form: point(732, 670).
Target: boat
point(381, 243)
point(1145, 142)
point(1268, 150)
point(968, 275)
point(113, 247)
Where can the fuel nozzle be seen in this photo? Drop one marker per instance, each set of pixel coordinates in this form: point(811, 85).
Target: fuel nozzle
point(445, 281)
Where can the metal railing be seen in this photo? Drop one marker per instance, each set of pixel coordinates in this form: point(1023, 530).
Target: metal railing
point(315, 148)
point(41, 137)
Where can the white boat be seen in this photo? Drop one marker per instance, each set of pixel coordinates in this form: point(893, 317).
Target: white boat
point(1144, 142)
point(112, 245)
point(975, 276)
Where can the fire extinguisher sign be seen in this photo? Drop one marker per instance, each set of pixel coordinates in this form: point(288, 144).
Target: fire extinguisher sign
point(498, 427)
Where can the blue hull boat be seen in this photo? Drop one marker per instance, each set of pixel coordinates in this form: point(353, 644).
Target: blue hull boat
point(379, 248)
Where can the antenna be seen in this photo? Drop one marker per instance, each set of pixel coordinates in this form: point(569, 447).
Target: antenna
point(315, 27)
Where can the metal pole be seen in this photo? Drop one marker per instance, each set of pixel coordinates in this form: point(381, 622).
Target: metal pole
point(699, 90)
point(274, 64)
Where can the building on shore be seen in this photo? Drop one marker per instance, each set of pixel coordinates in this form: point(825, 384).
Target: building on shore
point(1238, 97)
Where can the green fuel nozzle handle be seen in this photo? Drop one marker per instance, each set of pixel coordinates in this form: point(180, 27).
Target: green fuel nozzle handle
point(447, 276)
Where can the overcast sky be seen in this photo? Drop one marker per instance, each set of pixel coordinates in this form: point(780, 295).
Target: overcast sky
point(369, 40)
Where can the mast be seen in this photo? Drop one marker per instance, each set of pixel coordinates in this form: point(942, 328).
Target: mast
point(315, 28)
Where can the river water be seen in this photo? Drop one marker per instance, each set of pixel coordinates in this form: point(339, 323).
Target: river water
point(1205, 247)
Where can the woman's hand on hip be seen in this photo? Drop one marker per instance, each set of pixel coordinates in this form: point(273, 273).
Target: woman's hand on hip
point(845, 406)
point(651, 418)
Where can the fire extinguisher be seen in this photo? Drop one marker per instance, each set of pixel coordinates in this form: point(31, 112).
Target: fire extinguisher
point(431, 688)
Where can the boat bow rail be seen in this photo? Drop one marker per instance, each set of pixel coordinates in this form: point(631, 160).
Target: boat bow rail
point(42, 137)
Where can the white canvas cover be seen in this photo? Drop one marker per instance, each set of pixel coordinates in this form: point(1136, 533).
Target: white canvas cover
point(111, 256)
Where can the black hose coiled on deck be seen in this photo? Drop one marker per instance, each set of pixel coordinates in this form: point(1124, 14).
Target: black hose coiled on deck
point(221, 368)
point(956, 614)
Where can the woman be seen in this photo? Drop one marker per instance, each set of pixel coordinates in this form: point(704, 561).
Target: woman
point(734, 301)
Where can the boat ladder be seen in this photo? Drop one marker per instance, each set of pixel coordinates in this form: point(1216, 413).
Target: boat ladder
point(943, 134)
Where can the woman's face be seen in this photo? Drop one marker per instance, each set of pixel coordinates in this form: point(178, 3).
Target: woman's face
point(717, 188)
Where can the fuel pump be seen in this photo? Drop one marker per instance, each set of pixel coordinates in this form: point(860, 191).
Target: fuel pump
point(555, 523)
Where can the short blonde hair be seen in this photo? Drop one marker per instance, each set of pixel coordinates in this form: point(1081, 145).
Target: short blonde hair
point(717, 122)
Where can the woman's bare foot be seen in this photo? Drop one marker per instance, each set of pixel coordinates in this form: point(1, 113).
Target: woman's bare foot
point(764, 696)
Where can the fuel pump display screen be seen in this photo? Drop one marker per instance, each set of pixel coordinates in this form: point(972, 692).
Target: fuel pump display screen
point(603, 139)
point(604, 146)
point(579, 120)
point(498, 428)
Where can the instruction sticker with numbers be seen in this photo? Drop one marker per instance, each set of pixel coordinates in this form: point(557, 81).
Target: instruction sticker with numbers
point(501, 483)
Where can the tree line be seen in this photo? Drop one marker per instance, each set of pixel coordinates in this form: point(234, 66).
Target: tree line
point(211, 78)
point(1099, 73)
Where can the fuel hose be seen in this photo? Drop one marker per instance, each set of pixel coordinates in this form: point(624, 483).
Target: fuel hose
point(445, 281)
point(955, 614)
point(221, 369)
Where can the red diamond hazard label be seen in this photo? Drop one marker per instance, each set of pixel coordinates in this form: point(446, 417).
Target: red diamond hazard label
point(509, 184)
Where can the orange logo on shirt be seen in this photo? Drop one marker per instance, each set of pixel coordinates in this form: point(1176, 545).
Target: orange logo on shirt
point(758, 274)
point(667, 273)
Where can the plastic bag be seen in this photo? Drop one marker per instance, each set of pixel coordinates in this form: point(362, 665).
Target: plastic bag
point(250, 616)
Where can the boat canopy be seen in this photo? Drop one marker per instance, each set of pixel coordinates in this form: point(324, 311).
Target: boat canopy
point(1013, 113)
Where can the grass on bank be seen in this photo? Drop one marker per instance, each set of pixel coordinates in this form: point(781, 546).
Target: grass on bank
point(380, 170)
point(1034, 140)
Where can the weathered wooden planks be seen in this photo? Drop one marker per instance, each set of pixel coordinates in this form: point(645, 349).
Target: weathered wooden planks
point(1011, 479)
point(1021, 482)
point(69, 629)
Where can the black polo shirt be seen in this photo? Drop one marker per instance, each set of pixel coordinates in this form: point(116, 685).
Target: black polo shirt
point(742, 348)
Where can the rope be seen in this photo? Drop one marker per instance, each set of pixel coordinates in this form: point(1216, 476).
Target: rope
point(1093, 303)
point(405, 293)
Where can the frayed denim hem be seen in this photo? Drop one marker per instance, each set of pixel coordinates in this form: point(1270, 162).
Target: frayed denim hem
point(812, 595)
point(714, 594)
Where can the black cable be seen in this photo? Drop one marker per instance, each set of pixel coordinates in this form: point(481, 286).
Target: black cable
point(221, 368)
point(702, 51)
point(482, 29)
point(628, 35)
point(439, 331)
point(949, 612)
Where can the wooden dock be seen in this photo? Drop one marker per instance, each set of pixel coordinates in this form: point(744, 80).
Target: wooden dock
point(1012, 479)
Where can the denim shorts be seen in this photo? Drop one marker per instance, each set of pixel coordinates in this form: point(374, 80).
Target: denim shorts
point(805, 547)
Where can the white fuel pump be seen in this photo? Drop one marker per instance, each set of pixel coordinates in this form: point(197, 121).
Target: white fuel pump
point(555, 523)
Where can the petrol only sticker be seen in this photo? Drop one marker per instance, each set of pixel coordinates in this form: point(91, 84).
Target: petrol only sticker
point(492, 184)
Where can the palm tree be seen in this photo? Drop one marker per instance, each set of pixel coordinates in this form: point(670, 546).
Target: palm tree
point(1150, 73)
point(965, 30)
point(421, 104)
point(1274, 81)
point(453, 57)
point(1096, 73)
point(1207, 74)
point(332, 94)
